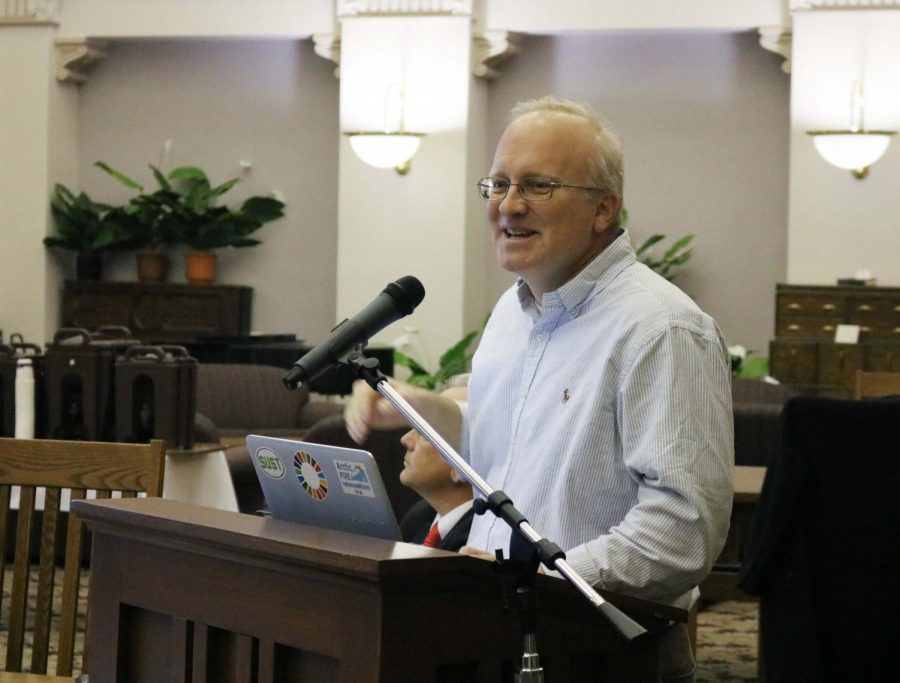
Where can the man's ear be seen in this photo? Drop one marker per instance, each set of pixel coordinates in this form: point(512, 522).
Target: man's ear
point(607, 211)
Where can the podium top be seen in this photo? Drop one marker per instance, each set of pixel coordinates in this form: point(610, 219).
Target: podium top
point(238, 536)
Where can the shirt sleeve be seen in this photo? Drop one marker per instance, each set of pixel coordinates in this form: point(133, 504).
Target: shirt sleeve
point(674, 419)
point(464, 432)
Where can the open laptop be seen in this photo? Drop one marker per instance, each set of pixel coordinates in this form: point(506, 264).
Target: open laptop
point(324, 486)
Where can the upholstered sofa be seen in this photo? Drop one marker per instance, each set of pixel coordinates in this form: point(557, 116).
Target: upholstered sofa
point(234, 400)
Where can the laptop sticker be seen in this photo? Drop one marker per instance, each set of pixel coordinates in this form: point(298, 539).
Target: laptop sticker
point(269, 462)
point(310, 476)
point(354, 478)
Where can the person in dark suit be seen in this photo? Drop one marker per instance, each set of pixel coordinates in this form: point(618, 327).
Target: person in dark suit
point(443, 518)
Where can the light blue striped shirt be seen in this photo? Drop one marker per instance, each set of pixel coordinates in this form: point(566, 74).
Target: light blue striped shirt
point(605, 414)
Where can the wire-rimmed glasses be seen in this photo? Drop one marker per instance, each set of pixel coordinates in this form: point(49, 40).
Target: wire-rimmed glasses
point(533, 189)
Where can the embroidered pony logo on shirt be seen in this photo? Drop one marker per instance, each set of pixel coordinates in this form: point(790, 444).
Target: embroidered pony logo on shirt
point(565, 396)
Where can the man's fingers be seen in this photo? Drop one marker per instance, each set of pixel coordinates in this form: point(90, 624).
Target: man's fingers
point(476, 552)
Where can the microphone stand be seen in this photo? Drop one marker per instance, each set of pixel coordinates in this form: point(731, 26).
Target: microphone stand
point(527, 547)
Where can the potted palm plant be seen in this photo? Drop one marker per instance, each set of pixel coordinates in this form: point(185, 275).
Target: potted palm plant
point(86, 227)
point(146, 227)
point(184, 209)
point(204, 226)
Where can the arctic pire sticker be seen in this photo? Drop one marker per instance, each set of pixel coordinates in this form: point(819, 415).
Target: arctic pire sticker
point(354, 478)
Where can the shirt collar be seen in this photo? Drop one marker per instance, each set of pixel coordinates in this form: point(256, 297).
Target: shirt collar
point(592, 278)
point(447, 522)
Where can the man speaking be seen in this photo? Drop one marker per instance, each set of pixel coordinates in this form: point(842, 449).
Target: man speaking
point(600, 394)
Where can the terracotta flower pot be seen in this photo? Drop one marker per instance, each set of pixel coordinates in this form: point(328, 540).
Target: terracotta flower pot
point(200, 267)
point(152, 266)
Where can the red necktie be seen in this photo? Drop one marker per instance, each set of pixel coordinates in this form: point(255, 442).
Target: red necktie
point(433, 539)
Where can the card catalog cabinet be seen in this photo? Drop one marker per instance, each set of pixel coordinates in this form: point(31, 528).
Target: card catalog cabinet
point(804, 355)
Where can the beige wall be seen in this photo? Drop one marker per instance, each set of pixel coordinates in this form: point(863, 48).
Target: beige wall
point(273, 103)
point(687, 105)
point(703, 115)
point(704, 122)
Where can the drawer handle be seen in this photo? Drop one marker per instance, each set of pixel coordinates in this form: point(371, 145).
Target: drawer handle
point(897, 309)
point(797, 307)
point(827, 328)
point(864, 308)
point(794, 328)
point(897, 330)
point(828, 307)
point(864, 328)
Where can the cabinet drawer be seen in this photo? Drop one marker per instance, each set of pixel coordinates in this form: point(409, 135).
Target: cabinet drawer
point(824, 305)
point(806, 327)
point(879, 330)
point(793, 363)
point(863, 310)
point(881, 358)
point(838, 363)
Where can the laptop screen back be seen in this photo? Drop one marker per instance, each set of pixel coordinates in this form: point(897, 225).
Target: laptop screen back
point(323, 486)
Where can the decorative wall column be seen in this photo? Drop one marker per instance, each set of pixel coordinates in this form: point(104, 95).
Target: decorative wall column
point(38, 143)
point(413, 62)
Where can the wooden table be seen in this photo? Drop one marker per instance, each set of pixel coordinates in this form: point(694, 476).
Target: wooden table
point(721, 584)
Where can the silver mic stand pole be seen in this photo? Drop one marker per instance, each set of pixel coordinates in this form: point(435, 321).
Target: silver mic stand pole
point(496, 501)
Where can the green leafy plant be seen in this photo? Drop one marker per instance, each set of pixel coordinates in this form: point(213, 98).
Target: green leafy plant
point(457, 360)
point(185, 209)
point(83, 225)
point(144, 220)
point(745, 367)
point(673, 258)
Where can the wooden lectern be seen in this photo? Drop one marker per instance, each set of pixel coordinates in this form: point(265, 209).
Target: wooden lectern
point(187, 593)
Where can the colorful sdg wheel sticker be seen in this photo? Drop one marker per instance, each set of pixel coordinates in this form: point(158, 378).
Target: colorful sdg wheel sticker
point(310, 475)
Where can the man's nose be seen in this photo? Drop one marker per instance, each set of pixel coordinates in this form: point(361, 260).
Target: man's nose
point(513, 203)
point(409, 440)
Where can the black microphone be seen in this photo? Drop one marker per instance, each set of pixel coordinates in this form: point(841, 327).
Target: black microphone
point(398, 299)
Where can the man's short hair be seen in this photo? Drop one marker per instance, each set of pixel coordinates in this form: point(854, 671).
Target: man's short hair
point(607, 165)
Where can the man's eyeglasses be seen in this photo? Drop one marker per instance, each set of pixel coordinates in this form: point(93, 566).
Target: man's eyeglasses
point(531, 189)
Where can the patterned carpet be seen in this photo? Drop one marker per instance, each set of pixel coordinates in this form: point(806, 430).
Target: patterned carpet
point(79, 636)
point(726, 642)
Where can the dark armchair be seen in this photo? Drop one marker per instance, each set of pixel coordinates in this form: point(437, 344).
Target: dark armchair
point(822, 554)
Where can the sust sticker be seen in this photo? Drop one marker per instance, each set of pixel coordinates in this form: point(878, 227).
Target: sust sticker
point(310, 475)
point(269, 462)
point(354, 478)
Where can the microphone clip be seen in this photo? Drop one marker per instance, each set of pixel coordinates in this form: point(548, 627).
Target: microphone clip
point(366, 368)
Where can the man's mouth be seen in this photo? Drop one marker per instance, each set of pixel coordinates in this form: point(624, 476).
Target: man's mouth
point(518, 233)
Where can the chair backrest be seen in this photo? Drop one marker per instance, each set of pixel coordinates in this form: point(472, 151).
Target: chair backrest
point(74, 467)
point(822, 551)
point(876, 384)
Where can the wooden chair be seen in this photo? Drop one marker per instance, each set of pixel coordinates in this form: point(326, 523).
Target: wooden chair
point(876, 384)
point(76, 466)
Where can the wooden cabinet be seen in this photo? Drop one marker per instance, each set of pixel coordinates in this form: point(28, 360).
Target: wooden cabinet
point(804, 355)
point(158, 312)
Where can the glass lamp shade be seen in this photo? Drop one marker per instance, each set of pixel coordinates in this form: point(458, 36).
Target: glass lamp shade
point(852, 150)
point(384, 150)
